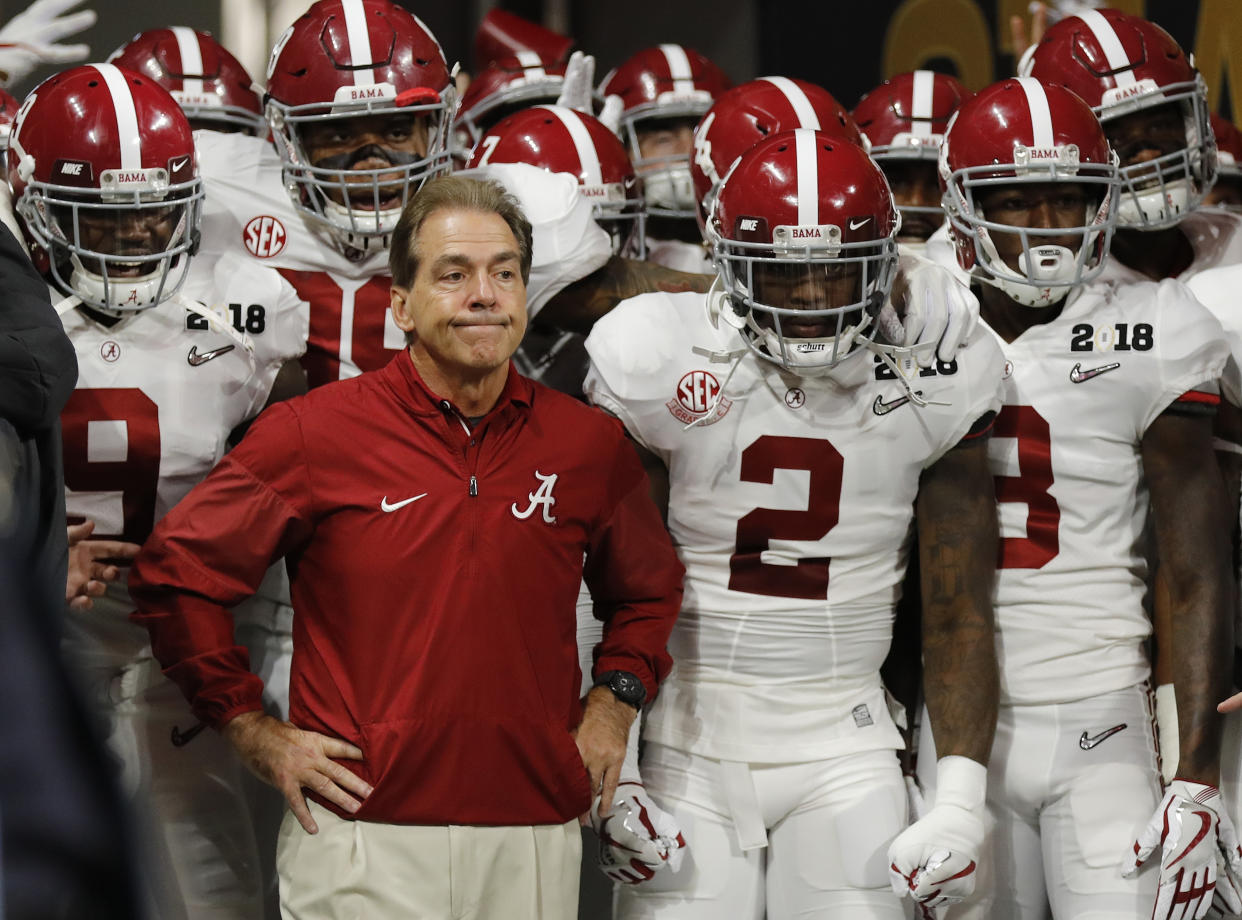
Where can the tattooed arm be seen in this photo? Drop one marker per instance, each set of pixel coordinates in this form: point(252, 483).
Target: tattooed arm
point(1192, 524)
point(576, 308)
point(956, 515)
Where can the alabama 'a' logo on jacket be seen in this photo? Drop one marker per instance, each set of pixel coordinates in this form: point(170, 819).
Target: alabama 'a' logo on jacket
point(540, 498)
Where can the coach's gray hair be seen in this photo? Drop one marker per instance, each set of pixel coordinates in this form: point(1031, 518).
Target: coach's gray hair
point(453, 193)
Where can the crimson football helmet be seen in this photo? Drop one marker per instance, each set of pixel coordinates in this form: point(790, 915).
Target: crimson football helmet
point(804, 238)
point(1121, 64)
point(904, 120)
point(1227, 193)
point(210, 84)
point(657, 86)
point(564, 140)
point(502, 34)
point(1022, 131)
point(345, 59)
point(746, 114)
point(106, 187)
point(499, 90)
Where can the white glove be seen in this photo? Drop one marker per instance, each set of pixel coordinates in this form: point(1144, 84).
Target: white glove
point(934, 860)
point(1191, 828)
point(32, 38)
point(610, 114)
point(936, 313)
point(638, 839)
point(1227, 898)
point(576, 91)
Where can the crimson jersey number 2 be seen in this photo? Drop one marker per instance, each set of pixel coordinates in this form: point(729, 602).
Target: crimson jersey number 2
point(1030, 487)
point(808, 578)
point(131, 468)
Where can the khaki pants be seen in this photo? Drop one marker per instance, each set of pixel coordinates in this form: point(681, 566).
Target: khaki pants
point(360, 870)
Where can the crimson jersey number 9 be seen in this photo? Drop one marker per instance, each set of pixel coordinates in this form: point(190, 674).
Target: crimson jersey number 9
point(1030, 487)
point(807, 579)
point(136, 476)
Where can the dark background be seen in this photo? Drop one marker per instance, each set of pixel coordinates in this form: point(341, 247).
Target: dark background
point(848, 46)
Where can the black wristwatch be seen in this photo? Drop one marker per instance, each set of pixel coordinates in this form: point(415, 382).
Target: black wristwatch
point(624, 686)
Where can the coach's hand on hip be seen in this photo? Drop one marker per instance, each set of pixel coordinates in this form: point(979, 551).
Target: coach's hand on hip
point(601, 738)
point(291, 759)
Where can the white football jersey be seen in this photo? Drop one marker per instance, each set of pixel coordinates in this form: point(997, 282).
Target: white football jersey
point(680, 256)
point(158, 394)
point(1217, 289)
point(1215, 235)
point(791, 500)
point(351, 327)
point(1080, 392)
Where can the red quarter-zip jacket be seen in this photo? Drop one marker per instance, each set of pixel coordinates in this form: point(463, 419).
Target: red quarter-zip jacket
point(434, 572)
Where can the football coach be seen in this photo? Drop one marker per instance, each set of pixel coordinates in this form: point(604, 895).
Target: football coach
point(436, 517)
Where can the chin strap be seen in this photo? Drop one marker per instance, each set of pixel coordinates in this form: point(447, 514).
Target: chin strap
point(73, 300)
point(217, 322)
point(734, 358)
point(885, 354)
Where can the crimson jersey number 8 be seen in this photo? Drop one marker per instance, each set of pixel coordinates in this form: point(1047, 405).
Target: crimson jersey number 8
point(135, 474)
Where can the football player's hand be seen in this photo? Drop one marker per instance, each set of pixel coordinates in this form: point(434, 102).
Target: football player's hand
point(1023, 41)
point(1233, 704)
point(610, 114)
point(1187, 829)
point(637, 838)
point(601, 738)
point(1227, 898)
point(92, 565)
point(930, 311)
point(291, 759)
point(576, 91)
point(934, 860)
point(32, 37)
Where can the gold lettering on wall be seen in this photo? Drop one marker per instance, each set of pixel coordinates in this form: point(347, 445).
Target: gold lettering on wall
point(952, 29)
point(1218, 52)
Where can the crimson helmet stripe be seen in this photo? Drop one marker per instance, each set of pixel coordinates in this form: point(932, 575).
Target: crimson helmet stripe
point(801, 105)
point(126, 115)
point(1041, 115)
point(531, 63)
point(359, 41)
point(678, 68)
point(921, 103)
point(1110, 44)
point(592, 174)
point(806, 153)
point(191, 58)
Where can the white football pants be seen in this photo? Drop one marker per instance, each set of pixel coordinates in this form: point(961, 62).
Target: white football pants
point(782, 840)
point(1070, 785)
point(182, 779)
